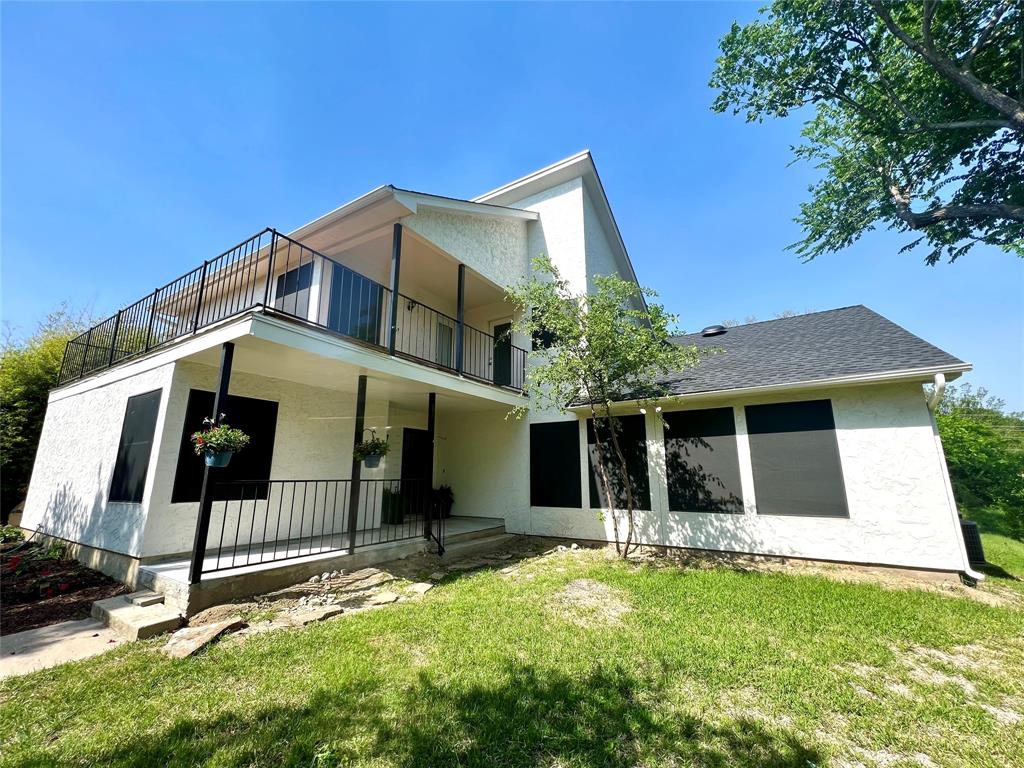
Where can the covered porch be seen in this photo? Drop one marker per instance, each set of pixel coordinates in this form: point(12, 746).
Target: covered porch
point(296, 497)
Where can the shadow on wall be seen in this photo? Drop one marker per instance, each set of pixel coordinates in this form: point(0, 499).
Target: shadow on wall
point(697, 487)
point(73, 515)
point(531, 717)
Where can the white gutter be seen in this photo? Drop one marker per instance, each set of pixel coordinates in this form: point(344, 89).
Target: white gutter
point(933, 402)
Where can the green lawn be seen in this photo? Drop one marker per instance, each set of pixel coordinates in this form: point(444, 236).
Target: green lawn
point(706, 668)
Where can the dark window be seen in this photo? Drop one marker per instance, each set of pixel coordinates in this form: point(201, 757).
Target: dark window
point(257, 418)
point(129, 481)
point(795, 459)
point(701, 462)
point(356, 304)
point(555, 465)
point(543, 339)
point(292, 294)
point(632, 438)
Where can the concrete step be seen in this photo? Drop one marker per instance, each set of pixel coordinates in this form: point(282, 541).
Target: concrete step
point(460, 549)
point(133, 621)
point(145, 597)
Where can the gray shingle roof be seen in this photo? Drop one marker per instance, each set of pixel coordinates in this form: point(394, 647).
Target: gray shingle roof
point(822, 345)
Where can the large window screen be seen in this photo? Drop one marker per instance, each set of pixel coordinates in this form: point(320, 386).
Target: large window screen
point(701, 462)
point(632, 438)
point(555, 465)
point(257, 418)
point(795, 459)
point(133, 452)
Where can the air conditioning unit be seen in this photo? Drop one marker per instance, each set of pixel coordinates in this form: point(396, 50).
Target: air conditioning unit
point(972, 541)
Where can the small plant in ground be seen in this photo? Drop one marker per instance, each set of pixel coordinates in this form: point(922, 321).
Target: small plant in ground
point(218, 438)
point(9, 533)
point(372, 447)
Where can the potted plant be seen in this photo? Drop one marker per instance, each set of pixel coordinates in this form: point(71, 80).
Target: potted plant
point(391, 512)
point(444, 497)
point(371, 451)
point(217, 442)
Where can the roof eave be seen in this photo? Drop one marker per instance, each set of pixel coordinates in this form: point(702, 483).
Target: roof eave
point(911, 374)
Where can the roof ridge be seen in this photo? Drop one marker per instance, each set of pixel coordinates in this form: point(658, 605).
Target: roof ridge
point(788, 317)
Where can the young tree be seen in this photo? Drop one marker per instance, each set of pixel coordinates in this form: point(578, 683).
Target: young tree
point(603, 347)
point(28, 369)
point(918, 115)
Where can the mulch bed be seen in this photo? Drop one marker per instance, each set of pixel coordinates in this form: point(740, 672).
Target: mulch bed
point(39, 587)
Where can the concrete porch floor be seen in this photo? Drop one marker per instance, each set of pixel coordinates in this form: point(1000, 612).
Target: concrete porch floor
point(305, 558)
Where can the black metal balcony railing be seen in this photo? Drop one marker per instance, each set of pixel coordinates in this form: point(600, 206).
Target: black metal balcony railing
point(264, 521)
point(272, 272)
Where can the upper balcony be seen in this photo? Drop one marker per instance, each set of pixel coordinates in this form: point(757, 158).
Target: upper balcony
point(275, 274)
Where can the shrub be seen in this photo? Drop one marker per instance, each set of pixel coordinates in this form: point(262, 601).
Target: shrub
point(984, 447)
point(9, 533)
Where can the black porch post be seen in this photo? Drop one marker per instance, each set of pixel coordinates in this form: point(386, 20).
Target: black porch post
point(428, 491)
point(396, 264)
point(357, 465)
point(460, 316)
point(195, 573)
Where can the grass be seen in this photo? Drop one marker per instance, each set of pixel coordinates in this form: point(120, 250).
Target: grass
point(1003, 548)
point(707, 668)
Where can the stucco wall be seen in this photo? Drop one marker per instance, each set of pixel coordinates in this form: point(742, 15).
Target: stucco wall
point(494, 247)
point(74, 465)
point(313, 441)
point(900, 512)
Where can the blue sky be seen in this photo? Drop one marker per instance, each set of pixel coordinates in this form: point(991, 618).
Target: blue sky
point(138, 140)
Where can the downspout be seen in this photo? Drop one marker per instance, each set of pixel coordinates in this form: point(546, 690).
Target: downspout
point(938, 390)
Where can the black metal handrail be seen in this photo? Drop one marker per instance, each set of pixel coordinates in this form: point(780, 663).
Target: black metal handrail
point(267, 521)
point(273, 272)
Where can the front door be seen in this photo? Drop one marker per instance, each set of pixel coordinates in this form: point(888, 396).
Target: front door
point(503, 354)
point(417, 472)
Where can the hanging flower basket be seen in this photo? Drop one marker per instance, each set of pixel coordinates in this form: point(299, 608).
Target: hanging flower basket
point(371, 451)
point(217, 443)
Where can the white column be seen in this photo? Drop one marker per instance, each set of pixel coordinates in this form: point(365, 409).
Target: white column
point(657, 474)
point(746, 466)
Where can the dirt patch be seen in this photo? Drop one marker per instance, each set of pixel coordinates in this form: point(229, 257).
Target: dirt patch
point(40, 586)
point(589, 603)
point(931, 667)
point(888, 578)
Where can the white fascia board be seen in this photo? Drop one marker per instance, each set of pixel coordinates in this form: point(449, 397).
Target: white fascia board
point(570, 167)
point(922, 375)
point(214, 336)
point(415, 200)
point(375, 196)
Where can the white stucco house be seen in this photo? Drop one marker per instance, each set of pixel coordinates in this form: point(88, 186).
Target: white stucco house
point(807, 436)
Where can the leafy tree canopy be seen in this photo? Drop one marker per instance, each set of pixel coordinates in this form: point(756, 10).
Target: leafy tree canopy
point(607, 345)
point(917, 115)
point(28, 369)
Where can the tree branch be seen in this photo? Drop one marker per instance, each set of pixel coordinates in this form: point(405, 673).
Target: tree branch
point(926, 24)
point(959, 125)
point(984, 34)
point(943, 213)
point(978, 90)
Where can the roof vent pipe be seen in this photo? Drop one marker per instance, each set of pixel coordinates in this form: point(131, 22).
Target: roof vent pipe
point(938, 391)
point(713, 330)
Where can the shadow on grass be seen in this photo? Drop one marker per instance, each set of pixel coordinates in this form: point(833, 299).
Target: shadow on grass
point(606, 718)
